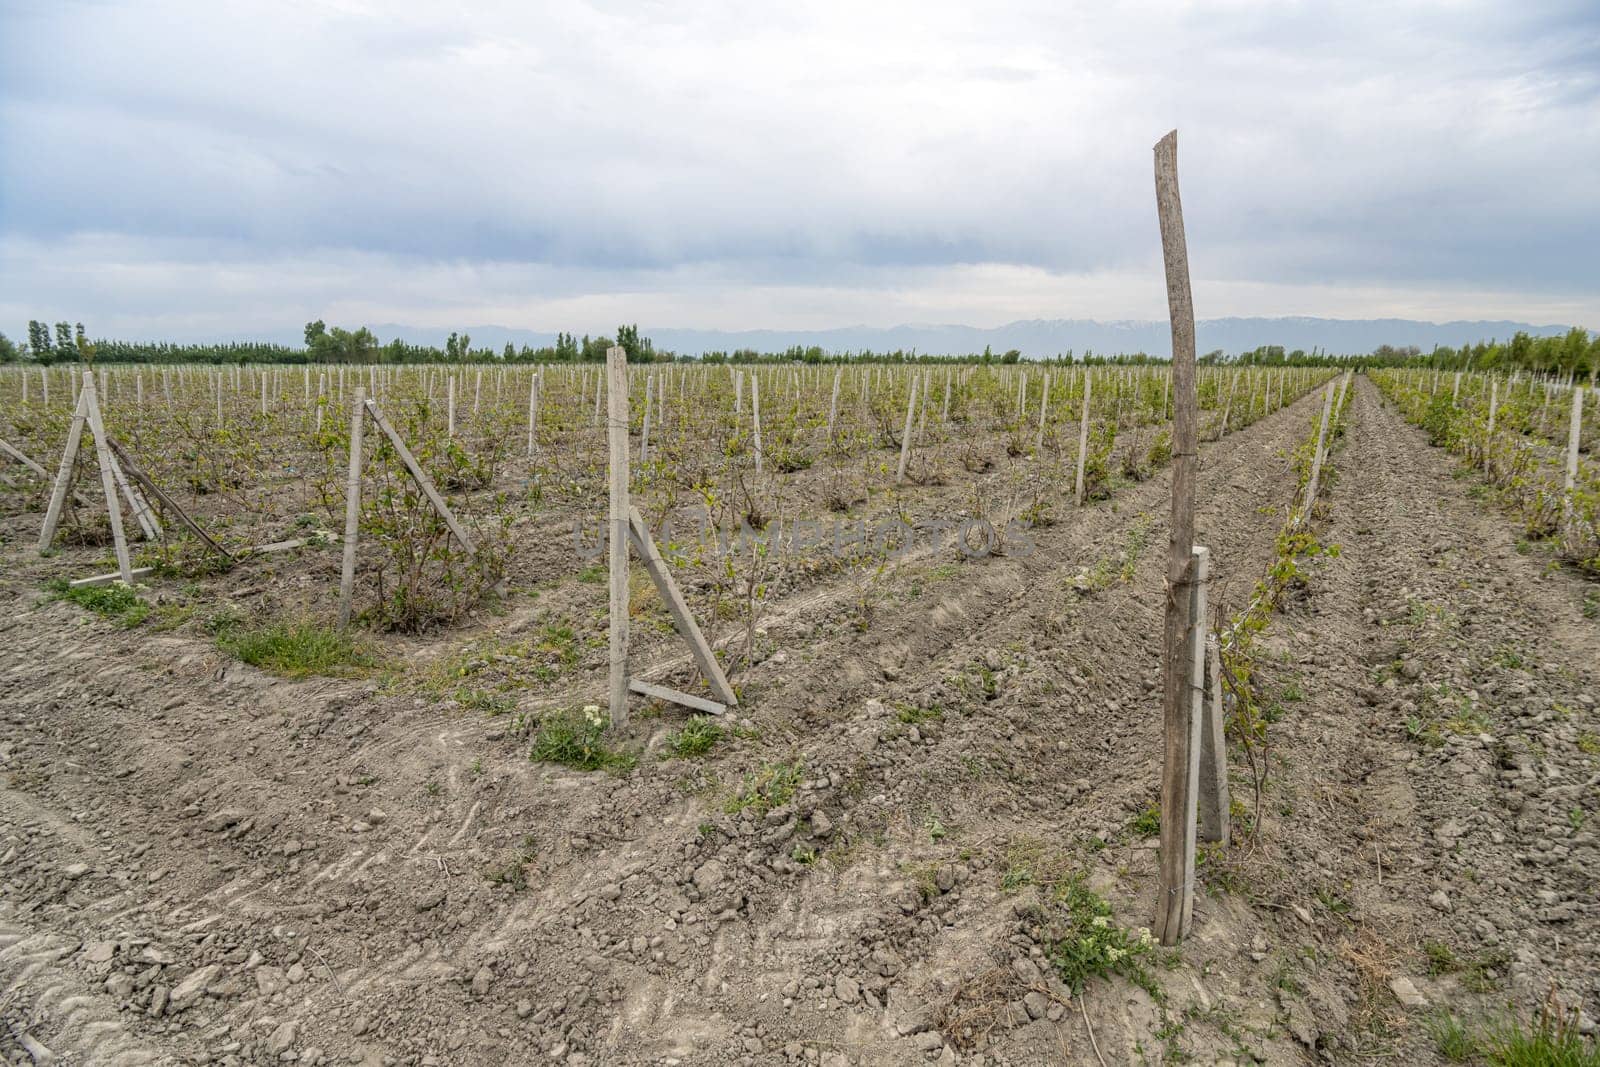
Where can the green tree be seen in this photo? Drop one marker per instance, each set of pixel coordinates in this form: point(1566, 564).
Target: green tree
point(8, 350)
point(39, 342)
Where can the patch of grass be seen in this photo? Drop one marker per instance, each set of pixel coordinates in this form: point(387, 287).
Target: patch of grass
point(296, 649)
point(1454, 1042)
point(577, 740)
point(593, 575)
point(698, 736)
point(770, 787)
point(115, 600)
point(1589, 743)
point(1550, 1040)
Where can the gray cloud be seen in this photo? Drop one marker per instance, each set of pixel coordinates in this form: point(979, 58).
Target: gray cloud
point(682, 155)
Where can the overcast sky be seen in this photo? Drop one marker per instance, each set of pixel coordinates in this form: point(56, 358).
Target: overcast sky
point(225, 168)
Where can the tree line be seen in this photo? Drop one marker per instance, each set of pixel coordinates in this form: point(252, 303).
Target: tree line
point(1576, 352)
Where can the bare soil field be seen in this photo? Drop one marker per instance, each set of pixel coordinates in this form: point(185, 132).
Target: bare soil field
point(204, 863)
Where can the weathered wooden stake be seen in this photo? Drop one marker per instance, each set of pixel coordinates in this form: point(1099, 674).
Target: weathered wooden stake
point(1176, 861)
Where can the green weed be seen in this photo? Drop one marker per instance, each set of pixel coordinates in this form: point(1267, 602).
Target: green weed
point(577, 740)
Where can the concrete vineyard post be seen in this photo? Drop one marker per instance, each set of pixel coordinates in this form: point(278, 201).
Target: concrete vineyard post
point(922, 407)
point(644, 434)
point(450, 407)
point(755, 414)
point(833, 406)
point(420, 477)
point(1574, 430)
point(1044, 407)
point(1215, 803)
point(533, 407)
point(1494, 407)
point(617, 527)
point(1083, 438)
point(905, 437)
point(107, 477)
point(944, 416)
point(352, 507)
point(682, 619)
point(1175, 864)
point(1196, 701)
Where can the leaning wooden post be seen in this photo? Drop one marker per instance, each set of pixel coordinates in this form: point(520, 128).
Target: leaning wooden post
point(617, 528)
point(1175, 863)
point(58, 493)
point(905, 437)
point(352, 506)
point(1083, 437)
point(1317, 455)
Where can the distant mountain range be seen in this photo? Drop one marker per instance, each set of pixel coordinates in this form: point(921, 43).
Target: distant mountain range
point(1037, 338)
